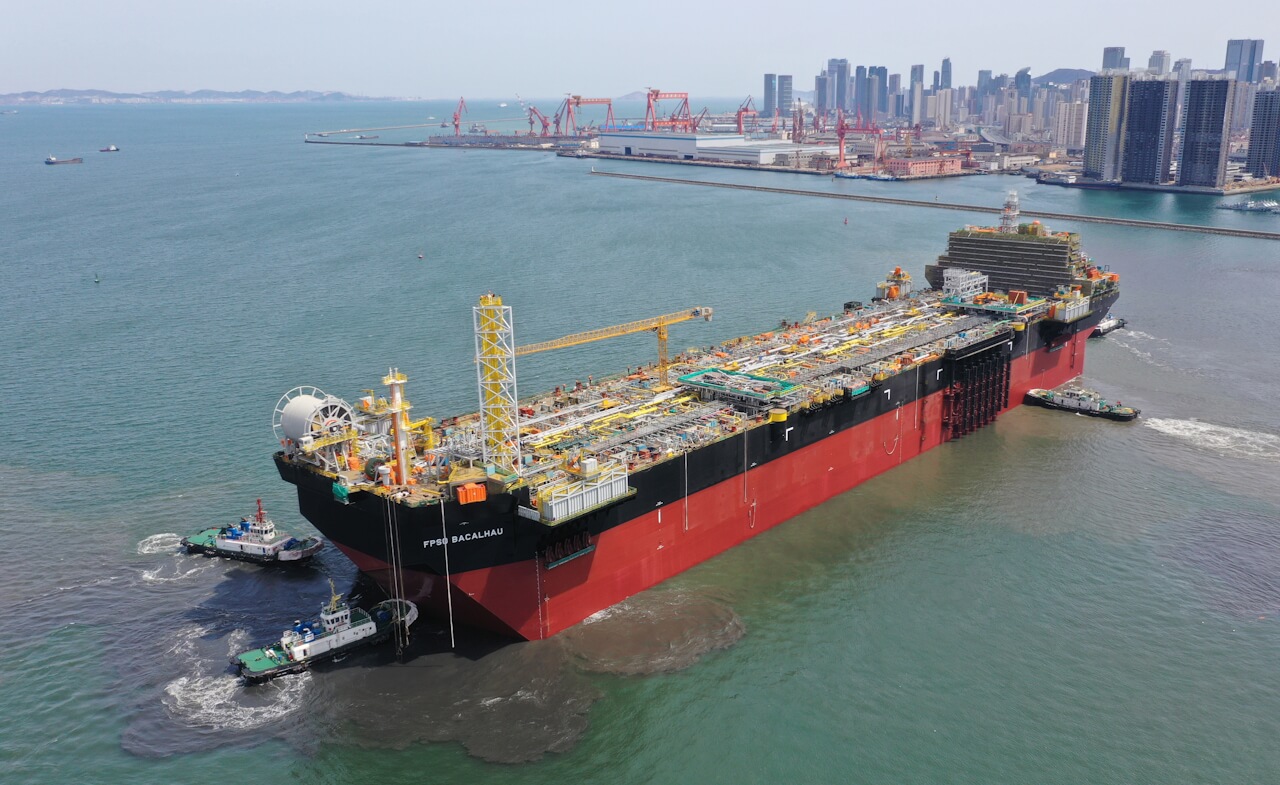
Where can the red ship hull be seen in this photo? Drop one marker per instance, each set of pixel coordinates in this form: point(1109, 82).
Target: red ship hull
point(650, 548)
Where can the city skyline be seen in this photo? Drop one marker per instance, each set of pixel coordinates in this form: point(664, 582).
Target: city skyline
point(141, 45)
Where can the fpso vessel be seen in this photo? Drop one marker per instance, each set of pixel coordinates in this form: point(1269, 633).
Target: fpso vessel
point(532, 514)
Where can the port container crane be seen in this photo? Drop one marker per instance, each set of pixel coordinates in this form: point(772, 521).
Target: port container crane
point(657, 324)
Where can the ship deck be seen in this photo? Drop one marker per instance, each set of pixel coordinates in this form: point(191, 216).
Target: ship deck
point(261, 660)
point(631, 420)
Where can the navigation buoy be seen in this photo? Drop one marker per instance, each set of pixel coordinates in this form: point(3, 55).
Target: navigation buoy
point(846, 222)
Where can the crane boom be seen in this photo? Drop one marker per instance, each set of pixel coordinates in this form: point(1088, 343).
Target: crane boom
point(657, 324)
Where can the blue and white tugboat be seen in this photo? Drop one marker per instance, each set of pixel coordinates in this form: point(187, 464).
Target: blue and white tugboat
point(1108, 325)
point(339, 629)
point(253, 539)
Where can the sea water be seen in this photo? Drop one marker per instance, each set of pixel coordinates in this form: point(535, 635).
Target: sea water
point(1051, 599)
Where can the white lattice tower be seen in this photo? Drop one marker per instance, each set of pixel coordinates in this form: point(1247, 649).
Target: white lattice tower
point(1009, 216)
point(963, 284)
point(496, 375)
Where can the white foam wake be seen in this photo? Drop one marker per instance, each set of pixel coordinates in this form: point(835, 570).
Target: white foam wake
point(159, 543)
point(180, 570)
point(1130, 346)
point(224, 703)
point(184, 641)
point(1234, 442)
point(1145, 336)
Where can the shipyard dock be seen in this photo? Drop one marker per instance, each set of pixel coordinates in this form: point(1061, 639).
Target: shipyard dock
point(1173, 227)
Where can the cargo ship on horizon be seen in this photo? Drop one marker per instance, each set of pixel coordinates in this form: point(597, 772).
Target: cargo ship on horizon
point(532, 514)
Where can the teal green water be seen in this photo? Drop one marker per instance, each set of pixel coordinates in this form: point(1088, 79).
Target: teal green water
point(1052, 600)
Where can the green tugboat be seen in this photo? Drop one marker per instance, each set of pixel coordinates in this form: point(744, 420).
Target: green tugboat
point(339, 629)
point(253, 539)
point(1082, 402)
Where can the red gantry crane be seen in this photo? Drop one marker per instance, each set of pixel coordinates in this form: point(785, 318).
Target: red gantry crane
point(457, 116)
point(609, 123)
point(680, 120)
point(566, 117)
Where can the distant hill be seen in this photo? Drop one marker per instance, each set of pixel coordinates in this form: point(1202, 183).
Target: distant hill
point(66, 96)
point(1063, 76)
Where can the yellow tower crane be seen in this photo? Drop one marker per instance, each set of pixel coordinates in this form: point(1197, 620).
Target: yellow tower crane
point(658, 324)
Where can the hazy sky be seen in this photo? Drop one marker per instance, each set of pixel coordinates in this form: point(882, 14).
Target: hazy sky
point(496, 48)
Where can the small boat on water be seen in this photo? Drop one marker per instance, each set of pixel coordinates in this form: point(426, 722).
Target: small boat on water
point(51, 160)
point(1253, 206)
point(367, 136)
point(339, 629)
point(1108, 325)
point(109, 149)
point(1082, 402)
point(253, 539)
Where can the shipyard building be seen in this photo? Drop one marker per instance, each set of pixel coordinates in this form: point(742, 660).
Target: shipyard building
point(729, 148)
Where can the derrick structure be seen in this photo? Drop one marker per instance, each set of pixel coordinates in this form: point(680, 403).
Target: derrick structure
point(496, 377)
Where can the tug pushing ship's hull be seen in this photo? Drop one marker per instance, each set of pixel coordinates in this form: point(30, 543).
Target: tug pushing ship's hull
point(760, 430)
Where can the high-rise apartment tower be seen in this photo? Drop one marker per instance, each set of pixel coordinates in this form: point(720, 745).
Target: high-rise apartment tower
point(1264, 135)
point(1148, 135)
point(1104, 135)
point(1205, 140)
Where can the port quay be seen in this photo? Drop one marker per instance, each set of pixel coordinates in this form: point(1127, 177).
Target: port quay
point(1257, 235)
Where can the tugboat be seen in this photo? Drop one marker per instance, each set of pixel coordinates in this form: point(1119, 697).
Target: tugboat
point(1082, 402)
point(109, 149)
point(253, 539)
point(1108, 325)
point(340, 629)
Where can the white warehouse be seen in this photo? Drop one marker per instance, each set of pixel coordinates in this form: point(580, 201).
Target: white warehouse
point(733, 148)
